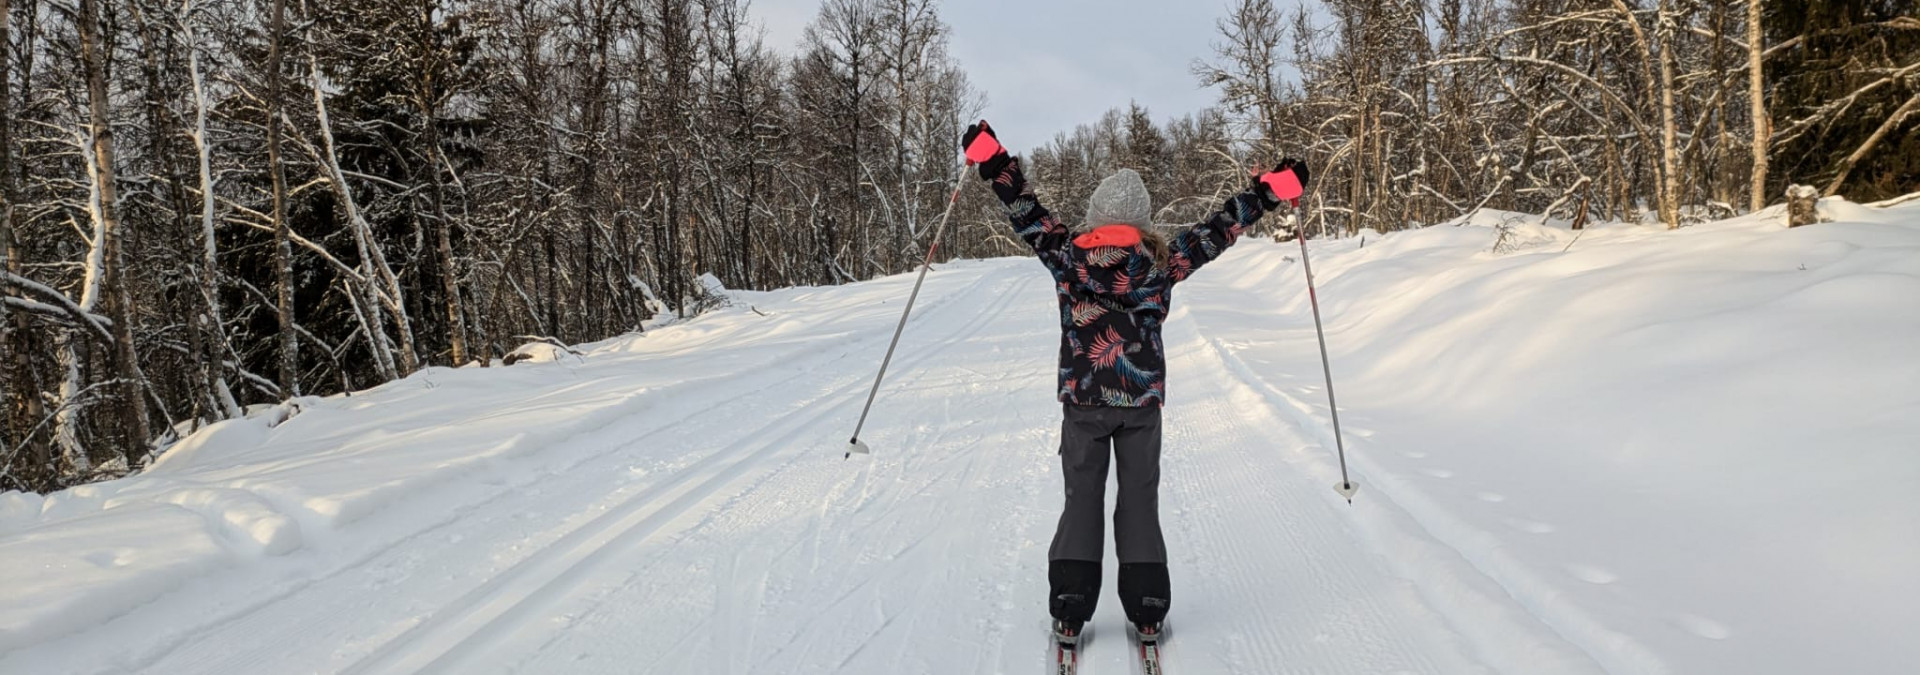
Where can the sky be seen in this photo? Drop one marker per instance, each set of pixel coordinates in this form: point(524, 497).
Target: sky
point(1048, 65)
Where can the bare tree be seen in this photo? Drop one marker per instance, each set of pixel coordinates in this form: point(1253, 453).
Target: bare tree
point(1248, 68)
point(1757, 102)
point(111, 265)
point(282, 234)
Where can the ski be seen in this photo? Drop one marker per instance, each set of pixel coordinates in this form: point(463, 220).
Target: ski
point(1066, 658)
point(1146, 647)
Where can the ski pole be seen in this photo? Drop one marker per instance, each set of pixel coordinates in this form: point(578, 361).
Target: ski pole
point(1346, 488)
point(855, 445)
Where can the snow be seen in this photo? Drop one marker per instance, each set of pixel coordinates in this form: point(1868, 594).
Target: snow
point(1624, 450)
point(536, 352)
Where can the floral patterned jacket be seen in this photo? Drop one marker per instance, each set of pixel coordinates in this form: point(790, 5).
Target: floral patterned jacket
point(1113, 299)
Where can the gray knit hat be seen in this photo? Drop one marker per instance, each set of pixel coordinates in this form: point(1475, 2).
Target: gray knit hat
point(1121, 199)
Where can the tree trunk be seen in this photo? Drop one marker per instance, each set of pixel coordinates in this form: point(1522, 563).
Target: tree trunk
point(746, 222)
point(426, 95)
point(1357, 160)
point(1669, 135)
point(282, 232)
point(210, 327)
point(552, 299)
point(373, 260)
point(443, 243)
point(16, 421)
point(1660, 89)
point(1756, 99)
point(120, 306)
point(66, 414)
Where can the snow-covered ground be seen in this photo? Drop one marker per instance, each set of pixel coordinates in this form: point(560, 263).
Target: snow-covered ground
point(1653, 452)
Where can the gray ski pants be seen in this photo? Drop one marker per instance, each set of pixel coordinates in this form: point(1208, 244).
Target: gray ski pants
point(1090, 437)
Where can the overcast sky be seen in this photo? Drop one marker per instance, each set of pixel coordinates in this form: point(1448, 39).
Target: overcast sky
point(1047, 65)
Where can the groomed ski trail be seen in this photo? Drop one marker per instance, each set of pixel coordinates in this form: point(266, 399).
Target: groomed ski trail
point(722, 431)
point(459, 633)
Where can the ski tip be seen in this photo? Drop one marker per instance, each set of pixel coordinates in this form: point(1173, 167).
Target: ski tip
point(1346, 489)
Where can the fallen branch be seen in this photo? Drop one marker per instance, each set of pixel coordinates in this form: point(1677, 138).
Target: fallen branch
point(1846, 165)
point(1896, 201)
point(548, 340)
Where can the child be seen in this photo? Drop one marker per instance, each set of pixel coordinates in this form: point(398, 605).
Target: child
point(1114, 280)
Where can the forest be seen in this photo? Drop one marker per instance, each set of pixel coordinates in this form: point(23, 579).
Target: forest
point(207, 205)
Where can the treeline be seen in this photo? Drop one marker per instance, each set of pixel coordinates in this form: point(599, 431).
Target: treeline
point(216, 203)
point(1417, 111)
point(1190, 164)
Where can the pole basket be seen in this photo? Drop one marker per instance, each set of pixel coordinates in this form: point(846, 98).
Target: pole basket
point(858, 447)
point(1346, 489)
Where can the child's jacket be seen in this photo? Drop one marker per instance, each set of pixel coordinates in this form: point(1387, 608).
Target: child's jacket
point(1112, 298)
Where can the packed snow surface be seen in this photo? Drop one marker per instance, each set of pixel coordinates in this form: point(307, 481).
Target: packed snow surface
point(1641, 452)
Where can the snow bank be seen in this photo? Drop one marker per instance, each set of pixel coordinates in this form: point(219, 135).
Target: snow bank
point(88, 569)
point(259, 486)
point(1686, 451)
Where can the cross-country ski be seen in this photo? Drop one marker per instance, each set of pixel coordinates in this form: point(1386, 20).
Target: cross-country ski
point(1147, 642)
point(1069, 641)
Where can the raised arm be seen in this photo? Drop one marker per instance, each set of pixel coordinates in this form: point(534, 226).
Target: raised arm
point(1202, 243)
point(1030, 220)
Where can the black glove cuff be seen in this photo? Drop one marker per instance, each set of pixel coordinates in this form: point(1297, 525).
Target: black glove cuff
point(994, 166)
point(1298, 168)
point(1261, 191)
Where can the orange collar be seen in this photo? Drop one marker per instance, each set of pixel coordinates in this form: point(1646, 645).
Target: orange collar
point(1124, 236)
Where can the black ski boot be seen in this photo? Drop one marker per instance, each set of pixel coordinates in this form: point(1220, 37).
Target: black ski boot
point(1145, 592)
point(1074, 590)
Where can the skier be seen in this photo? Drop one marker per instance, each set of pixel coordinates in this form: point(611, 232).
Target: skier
point(1114, 278)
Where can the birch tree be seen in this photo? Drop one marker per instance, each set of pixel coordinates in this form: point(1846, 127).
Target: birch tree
point(108, 265)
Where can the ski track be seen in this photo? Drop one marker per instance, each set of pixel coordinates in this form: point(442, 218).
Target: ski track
point(714, 497)
point(239, 639)
point(719, 531)
point(1503, 612)
point(1511, 618)
point(754, 514)
point(1266, 577)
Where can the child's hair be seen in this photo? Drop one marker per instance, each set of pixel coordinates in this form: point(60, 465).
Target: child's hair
point(1157, 243)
